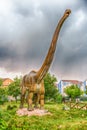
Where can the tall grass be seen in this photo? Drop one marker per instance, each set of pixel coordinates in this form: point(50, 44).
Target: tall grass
point(58, 120)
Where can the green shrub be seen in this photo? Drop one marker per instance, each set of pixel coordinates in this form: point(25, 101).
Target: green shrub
point(51, 91)
point(9, 107)
point(3, 99)
point(73, 91)
point(3, 95)
point(58, 98)
point(83, 98)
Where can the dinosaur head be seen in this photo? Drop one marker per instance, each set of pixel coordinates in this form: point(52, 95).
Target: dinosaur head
point(67, 13)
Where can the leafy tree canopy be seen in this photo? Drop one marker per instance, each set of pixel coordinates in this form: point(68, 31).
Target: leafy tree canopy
point(3, 95)
point(73, 91)
point(1, 82)
point(51, 91)
point(86, 90)
point(14, 88)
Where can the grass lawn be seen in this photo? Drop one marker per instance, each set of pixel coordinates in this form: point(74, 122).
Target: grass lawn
point(58, 120)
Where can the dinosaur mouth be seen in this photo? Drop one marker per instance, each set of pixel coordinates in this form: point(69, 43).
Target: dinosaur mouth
point(67, 12)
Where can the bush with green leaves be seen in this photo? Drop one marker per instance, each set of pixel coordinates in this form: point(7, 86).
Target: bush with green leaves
point(51, 91)
point(83, 98)
point(73, 91)
point(3, 95)
point(86, 90)
point(1, 82)
point(14, 88)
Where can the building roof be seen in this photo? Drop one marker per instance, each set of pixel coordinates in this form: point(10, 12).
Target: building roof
point(73, 81)
point(4, 79)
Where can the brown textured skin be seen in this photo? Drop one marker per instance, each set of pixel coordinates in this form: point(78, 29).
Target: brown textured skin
point(33, 82)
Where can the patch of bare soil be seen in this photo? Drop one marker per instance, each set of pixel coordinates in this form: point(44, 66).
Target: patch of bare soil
point(36, 112)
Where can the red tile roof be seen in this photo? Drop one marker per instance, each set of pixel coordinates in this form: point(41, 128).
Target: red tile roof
point(73, 81)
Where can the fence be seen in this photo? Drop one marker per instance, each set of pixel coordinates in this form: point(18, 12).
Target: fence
point(77, 105)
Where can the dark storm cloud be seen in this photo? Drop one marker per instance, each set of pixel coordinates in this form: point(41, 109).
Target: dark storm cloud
point(85, 1)
point(26, 30)
point(4, 53)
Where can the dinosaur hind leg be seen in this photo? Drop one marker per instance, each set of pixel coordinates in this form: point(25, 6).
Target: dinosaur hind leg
point(41, 101)
point(30, 97)
point(23, 92)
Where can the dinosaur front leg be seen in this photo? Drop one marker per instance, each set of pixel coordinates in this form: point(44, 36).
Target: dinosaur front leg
point(37, 100)
point(30, 97)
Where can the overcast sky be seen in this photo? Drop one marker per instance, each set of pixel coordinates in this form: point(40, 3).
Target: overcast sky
point(26, 30)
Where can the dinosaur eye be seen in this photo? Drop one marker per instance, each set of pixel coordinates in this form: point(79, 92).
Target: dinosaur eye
point(68, 11)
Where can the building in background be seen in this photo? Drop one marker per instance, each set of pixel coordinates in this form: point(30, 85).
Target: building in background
point(64, 83)
point(6, 82)
point(85, 83)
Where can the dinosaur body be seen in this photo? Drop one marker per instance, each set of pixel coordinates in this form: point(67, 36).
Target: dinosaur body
point(34, 89)
point(34, 80)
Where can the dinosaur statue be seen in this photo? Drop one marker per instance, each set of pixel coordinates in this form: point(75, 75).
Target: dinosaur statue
point(33, 82)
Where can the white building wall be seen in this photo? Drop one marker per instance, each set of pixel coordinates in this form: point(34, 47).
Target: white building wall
point(65, 84)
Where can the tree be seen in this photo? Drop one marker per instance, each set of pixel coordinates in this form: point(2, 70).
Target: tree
point(14, 88)
point(73, 91)
point(1, 82)
point(3, 95)
point(51, 92)
point(86, 90)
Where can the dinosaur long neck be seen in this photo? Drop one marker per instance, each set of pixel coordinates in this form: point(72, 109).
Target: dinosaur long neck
point(48, 60)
